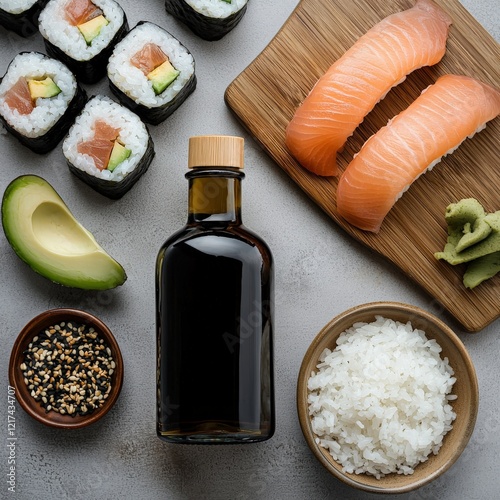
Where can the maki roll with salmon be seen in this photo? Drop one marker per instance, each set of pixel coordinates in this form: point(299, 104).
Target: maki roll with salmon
point(108, 147)
point(82, 34)
point(39, 99)
point(209, 19)
point(151, 72)
point(21, 16)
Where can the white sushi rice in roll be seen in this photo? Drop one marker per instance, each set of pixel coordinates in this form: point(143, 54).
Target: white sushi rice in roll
point(132, 81)
point(55, 28)
point(16, 6)
point(216, 8)
point(47, 111)
point(133, 134)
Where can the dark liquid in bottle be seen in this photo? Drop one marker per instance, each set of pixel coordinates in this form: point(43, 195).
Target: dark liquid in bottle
point(214, 337)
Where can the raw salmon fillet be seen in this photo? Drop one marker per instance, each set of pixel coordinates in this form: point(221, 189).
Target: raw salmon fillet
point(100, 146)
point(81, 11)
point(19, 97)
point(435, 124)
point(99, 150)
point(149, 58)
point(352, 86)
point(103, 130)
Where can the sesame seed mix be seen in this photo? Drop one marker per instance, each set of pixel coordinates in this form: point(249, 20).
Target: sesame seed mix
point(68, 369)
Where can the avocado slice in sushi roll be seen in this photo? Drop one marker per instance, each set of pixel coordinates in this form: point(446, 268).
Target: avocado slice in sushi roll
point(92, 28)
point(44, 89)
point(45, 234)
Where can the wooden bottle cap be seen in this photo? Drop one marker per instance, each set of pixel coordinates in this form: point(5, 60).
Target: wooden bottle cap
point(216, 151)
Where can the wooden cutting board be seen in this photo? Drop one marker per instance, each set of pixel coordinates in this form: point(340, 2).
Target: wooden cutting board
point(265, 95)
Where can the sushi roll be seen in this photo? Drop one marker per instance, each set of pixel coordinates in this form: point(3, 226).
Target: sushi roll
point(108, 147)
point(209, 19)
point(21, 16)
point(151, 72)
point(39, 99)
point(82, 34)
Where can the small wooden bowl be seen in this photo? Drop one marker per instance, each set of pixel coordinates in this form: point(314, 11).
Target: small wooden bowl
point(465, 406)
point(16, 377)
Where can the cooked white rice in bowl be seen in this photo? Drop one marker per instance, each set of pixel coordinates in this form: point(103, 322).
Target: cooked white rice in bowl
point(353, 397)
point(379, 402)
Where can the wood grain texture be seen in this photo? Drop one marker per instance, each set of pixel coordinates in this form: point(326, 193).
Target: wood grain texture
point(265, 95)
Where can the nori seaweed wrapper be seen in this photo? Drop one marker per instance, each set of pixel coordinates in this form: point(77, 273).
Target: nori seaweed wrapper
point(208, 28)
point(156, 115)
point(94, 69)
point(25, 23)
point(48, 141)
point(116, 189)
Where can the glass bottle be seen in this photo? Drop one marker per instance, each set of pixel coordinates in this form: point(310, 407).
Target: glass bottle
point(214, 298)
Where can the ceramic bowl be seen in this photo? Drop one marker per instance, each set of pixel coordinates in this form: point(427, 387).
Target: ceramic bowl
point(465, 406)
point(23, 393)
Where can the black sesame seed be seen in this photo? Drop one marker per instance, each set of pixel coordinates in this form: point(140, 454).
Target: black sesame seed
point(68, 369)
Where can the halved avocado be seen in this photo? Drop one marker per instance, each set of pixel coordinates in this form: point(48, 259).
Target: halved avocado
point(43, 88)
point(119, 154)
point(45, 234)
point(92, 28)
point(162, 76)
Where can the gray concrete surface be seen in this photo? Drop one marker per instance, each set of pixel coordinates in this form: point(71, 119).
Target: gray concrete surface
point(320, 272)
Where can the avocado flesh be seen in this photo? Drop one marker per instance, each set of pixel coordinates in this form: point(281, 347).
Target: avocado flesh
point(43, 88)
point(162, 76)
point(44, 233)
point(92, 28)
point(119, 154)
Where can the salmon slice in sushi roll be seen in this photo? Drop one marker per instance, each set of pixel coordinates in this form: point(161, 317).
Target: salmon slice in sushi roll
point(151, 72)
point(82, 34)
point(209, 19)
point(39, 99)
point(108, 147)
point(21, 16)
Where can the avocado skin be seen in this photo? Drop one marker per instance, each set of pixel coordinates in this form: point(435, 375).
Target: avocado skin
point(76, 277)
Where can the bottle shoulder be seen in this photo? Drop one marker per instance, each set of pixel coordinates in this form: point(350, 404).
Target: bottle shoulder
point(218, 240)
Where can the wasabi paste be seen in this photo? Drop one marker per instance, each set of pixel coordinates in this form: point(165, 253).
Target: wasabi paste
point(474, 238)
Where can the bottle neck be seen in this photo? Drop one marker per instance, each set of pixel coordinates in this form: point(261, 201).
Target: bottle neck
point(215, 195)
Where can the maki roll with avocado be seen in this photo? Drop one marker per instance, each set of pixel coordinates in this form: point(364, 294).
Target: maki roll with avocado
point(108, 147)
point(151, 72)
point(209, 19)
point(39, 99)
point(21, 16)
point(82, 34)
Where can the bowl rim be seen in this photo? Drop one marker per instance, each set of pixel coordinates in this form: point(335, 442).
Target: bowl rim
point(16, 380)
point(303, 377)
